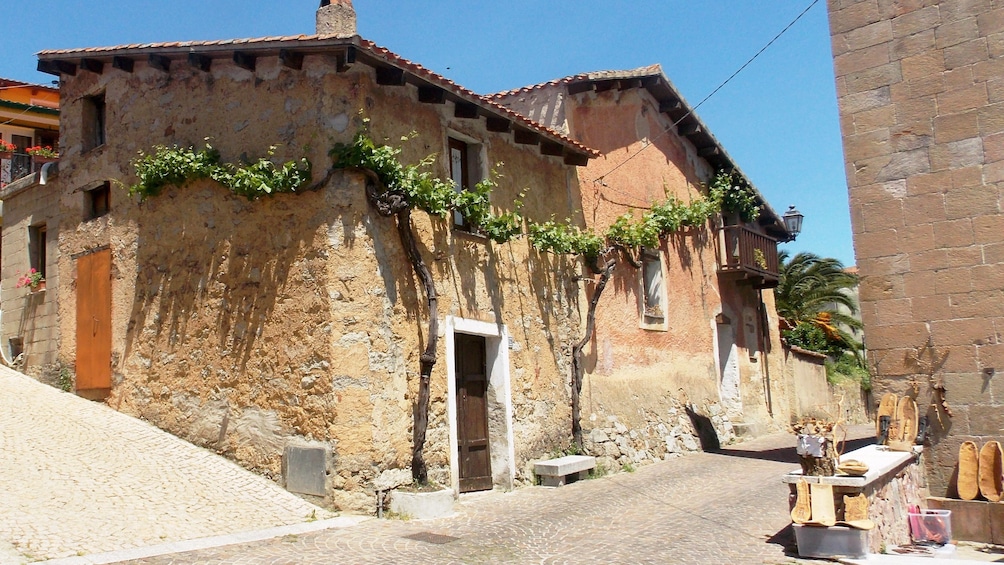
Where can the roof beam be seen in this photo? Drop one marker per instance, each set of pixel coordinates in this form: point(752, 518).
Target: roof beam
point(123, 64)
point(93, 65)
point(551, 148)
point(580, 87)
point(390, 76)
point(526, 137)
point(576, 159)
point(201, 62)
point(690, 129)
point(291, 59)
point(628, 84)
point(245, 60)
point(669, 105)
point(605, 85)
point(345, 60)
point(57, 67)
point(160, 62)
point(431, 95)
point(498, 125)
point(709, 151)
point(465, 110)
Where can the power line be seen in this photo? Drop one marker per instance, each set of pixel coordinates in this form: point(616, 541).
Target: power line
point(600, 178)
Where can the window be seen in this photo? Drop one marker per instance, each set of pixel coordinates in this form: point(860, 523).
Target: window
point(466, 170)
point(653, 289)
point(460, 173)
point(20, 161)
point(36, 248)
point(94, 122)
point(97, 201)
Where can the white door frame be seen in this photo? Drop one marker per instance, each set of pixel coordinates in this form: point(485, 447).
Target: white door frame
point(497, 364)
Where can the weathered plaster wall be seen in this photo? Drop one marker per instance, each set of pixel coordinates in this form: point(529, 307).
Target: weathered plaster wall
point(640, 376)
point(922, 117)
point(239, 324)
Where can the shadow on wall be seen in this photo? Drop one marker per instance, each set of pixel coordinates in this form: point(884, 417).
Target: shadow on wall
point(705, 430)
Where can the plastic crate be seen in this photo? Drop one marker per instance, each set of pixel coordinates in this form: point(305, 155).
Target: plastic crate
point(835, 541)
point(930, 526)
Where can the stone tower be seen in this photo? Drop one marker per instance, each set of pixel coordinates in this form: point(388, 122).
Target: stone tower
point(336, 17)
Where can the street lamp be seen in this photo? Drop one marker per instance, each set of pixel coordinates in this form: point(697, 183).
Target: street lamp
point(793, 222)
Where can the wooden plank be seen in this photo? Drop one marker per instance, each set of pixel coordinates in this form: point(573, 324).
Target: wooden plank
point(160, 63)
point(498, 125)
point(628, 84)
point(551, 148)
point(291, 59)
point(431, 95)
point(390, 76)
point(201, 62)
point(123, 64)
point(93, 65)
point(709, 151)
point(245, 60)
point(465, 110)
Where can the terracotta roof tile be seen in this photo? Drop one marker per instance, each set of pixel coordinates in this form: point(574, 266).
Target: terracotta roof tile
point(640, 72)
point(306, 40)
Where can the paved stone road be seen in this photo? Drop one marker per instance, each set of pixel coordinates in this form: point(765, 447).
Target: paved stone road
point(721, 508)
point(78, 477)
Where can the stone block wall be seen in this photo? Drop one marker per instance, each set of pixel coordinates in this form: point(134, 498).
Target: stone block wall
point(921, 93)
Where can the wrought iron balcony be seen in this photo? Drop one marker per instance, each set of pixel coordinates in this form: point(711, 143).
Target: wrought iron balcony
point(748, 255)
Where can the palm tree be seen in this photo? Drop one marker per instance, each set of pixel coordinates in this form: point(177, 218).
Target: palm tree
point(811, 291)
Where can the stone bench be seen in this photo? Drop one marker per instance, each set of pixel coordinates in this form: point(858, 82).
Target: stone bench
point(568, 469)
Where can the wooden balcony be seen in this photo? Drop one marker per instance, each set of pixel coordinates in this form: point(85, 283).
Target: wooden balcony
point(748, 256)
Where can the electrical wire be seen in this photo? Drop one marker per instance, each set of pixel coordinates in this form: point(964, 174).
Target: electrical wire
point(672, 128)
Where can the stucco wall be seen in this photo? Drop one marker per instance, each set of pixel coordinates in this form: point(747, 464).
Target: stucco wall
point(298, 315)
point(922, 117)
point(29, 316)
point(639, 376)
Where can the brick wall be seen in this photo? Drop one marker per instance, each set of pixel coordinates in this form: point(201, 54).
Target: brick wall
point(920, 85)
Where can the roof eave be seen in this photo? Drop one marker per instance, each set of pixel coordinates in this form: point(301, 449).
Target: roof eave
point(525, 131)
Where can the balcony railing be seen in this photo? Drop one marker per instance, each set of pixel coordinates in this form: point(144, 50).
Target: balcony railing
point(748, 255)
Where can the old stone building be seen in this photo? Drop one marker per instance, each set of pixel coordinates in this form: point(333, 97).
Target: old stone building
point(695, 325)
point(922, 115)
point(245, 325)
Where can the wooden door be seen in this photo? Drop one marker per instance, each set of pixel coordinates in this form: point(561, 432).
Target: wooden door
point(94, 329)
point(472, 413)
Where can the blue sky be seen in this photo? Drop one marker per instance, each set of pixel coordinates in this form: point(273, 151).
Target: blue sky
point(778, 118)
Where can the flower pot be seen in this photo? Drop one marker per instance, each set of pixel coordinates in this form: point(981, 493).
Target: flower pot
point(6, 154)
point(38, 287)
point(39, 160)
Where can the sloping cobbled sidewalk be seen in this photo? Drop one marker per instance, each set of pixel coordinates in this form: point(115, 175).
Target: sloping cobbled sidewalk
point(77, 478)
point(717, 508)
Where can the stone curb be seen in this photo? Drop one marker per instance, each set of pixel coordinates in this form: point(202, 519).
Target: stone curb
point(207, 543)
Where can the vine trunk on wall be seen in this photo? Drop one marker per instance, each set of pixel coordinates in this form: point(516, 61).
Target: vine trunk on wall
point(577, 368)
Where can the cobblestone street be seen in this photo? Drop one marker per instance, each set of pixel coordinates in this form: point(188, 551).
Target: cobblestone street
point(727, 507)
point(80, 478)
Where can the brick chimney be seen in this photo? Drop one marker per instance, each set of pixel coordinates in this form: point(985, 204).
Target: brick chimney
point(336, 17)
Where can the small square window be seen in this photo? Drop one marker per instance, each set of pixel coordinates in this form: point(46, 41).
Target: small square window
point(94, 116)
point(97, 201)
point(653, 288)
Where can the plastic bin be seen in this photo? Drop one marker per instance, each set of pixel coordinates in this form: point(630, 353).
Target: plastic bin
point(835, 541)
point(930, 526)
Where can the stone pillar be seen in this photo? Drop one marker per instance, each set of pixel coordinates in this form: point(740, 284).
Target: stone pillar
point(336, 17)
